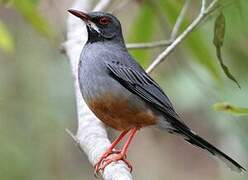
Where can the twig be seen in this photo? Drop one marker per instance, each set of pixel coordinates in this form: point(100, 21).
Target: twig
point(211, 6)
point(203, 13)
point(179, 20)
point(147, 45)
point(163, 43)
point(72, 136)
point(91, 135)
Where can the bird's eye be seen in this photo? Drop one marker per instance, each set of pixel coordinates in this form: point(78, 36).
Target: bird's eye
point(104, 20)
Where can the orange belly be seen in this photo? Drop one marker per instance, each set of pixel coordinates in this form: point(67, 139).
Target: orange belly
point(119, 114)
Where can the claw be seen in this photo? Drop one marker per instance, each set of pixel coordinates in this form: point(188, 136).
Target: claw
point(97, 167)
point(114, 157)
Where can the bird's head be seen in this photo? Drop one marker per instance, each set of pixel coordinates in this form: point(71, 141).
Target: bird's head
point(101, 26)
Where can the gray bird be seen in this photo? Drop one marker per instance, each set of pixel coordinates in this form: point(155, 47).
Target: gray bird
point(122, 95)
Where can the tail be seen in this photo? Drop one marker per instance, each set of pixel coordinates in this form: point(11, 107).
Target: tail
point(180, 128)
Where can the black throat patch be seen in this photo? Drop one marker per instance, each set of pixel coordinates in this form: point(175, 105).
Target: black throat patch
point(94, 36)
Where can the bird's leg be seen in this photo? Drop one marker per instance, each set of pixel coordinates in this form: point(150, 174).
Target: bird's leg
point(110, 150)
point(119, 155)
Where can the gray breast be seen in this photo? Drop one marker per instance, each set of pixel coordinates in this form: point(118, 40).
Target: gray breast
point(96, 82)
point(94, 79)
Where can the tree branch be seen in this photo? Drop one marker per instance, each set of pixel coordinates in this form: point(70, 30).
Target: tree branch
point(179, 20)
point(203, 13)
point(163, 43)
point(91, 135)
point(147, 45)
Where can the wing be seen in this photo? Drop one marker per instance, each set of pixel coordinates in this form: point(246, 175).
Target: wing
point(142, 85)
point(146, 88)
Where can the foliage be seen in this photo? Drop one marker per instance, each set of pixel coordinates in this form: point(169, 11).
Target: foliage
point(234, 110)
point(219, 33)
point(198, 42)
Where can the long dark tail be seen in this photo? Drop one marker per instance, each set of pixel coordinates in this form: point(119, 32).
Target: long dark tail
point(180, 128)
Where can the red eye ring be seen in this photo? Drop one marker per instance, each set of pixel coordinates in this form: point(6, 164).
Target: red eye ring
point(104, 20)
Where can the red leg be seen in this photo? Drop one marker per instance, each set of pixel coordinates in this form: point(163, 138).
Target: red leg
point(120, 155)
point(110, 150)
point(131, 136)
point(117, 140)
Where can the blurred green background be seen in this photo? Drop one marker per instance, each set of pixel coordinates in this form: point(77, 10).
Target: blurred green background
point(37, 98)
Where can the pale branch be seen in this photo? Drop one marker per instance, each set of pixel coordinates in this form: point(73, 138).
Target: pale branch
point(91, 135)
point(211, 6)
point(163, 43)
point(146, 45)
point(73, 137)
point(204, 11)
point(179, 20)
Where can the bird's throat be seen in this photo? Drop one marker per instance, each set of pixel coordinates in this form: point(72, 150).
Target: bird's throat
point(94, 36)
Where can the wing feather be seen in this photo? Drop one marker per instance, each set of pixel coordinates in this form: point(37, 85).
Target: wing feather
point(146, 88)
point(142, 85)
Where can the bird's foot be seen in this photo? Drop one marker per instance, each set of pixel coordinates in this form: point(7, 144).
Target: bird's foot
point(107, 159)
point(102, 158)
point(112, 155)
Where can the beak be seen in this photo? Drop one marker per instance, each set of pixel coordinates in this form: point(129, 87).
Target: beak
point(85, 17)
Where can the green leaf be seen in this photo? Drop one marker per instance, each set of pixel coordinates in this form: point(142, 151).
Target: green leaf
point(235, 110)
point(219, 33)
point(219, 30)
point(6, 42)
point(29, 11)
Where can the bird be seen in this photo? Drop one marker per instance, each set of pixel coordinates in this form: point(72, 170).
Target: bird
point(122, 95)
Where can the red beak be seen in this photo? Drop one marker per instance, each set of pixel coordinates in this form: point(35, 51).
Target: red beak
point(80, 14)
